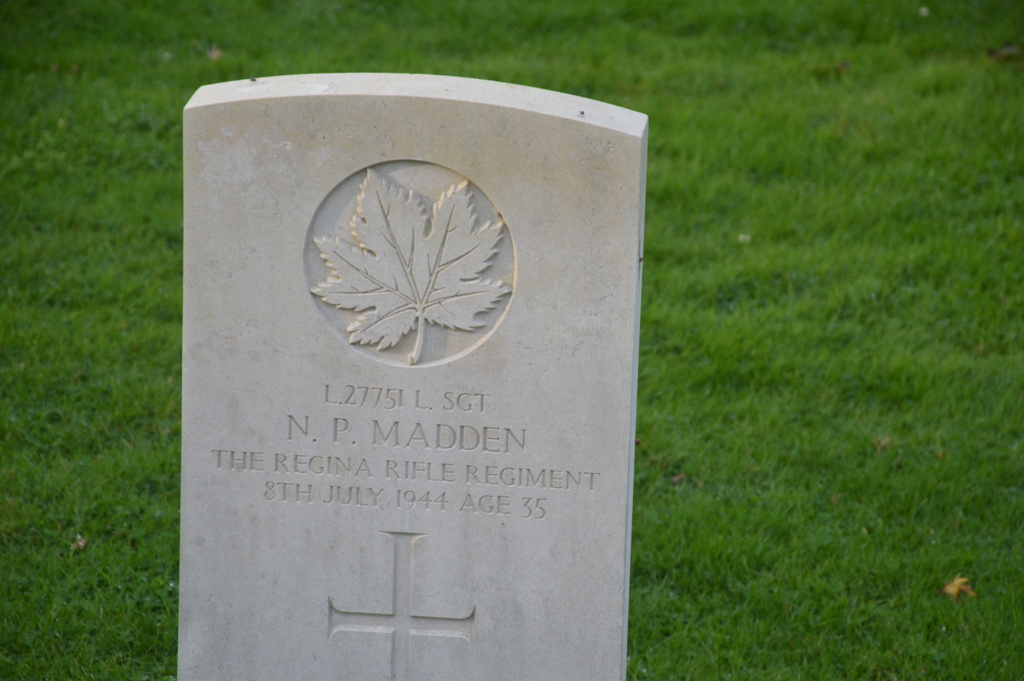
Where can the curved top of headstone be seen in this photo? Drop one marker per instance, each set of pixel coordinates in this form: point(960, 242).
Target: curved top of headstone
point(470, 90)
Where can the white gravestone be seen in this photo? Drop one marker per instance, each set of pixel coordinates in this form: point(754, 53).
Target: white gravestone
point(410, 346)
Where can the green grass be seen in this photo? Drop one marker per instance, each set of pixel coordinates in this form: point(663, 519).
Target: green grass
point(831, 417)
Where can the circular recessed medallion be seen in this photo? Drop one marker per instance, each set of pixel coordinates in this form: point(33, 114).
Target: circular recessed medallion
point(410, 263)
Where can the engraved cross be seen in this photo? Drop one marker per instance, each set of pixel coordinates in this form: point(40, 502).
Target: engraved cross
point(400, 623)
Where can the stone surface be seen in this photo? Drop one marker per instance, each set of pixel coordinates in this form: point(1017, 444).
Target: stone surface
point(410, 342)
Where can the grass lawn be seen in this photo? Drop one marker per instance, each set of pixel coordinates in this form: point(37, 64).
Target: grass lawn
point(831, 407)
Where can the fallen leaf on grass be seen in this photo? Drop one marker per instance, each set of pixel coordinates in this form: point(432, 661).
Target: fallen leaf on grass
point(881, 443)
point(676, 479)
point(79, 543)
point(958, 586)
point(1005, 53)
point(835, 70)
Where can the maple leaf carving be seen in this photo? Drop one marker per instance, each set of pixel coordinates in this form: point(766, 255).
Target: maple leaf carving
point(405, 264)
point(958, 586)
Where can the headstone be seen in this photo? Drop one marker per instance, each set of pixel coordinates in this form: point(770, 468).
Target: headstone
point(410, 349)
